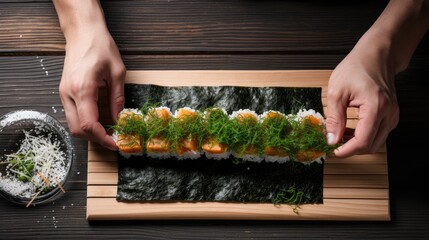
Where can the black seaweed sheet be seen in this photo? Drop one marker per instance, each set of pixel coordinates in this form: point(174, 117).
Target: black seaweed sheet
point(146, 179)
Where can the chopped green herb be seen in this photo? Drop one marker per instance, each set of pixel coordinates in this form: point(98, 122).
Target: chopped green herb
point(274, 134)
point(290, 197)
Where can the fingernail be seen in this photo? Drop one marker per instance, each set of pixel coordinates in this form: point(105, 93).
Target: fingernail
point(330, 137)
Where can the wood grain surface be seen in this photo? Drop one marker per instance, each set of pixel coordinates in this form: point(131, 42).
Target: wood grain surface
point(366, 173)
point(211, 35)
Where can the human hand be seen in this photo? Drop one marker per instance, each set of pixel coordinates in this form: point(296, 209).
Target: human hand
point(92, 60)
point(365, 80)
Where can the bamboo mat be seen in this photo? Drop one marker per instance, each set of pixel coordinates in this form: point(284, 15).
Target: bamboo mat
point(355, 188)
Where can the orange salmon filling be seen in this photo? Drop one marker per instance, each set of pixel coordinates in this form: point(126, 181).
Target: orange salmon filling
point(273, 151)
point(214, 147)
point(312, 120)
point(160, 113)
point(189, 145)
point(308, 155)
point(129, 116)
point(129, 143)
point(158, 145)
point(271, 115)
point(251, 149)
point(247, 117)
point(184, 113)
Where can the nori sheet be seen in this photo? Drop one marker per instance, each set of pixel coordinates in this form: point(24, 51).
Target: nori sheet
point(146, 179)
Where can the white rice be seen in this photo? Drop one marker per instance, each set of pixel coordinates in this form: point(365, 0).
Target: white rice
point(318, 160)
point(158, 108)
point(188, 155)
point(248, 157)
point(132, 110)
point(128, 155)
point(277, 159)
point(115, 136)
point(303, 113)
point(236, 114)
point(217, 156)
point(159, 155)
point(176, 113)
point(263, 116)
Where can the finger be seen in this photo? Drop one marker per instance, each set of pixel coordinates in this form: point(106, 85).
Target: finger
point(100, 135)
point(380, 138)
point(116, 92)
point(386, 126)
point(336, 117)
point(365, 132)
point(87, 110)
point(72, 117)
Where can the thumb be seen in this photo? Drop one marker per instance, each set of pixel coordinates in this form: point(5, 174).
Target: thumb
point(335, 119)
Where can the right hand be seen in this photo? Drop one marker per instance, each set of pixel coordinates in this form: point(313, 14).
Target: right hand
point(365, 80)
point(92, 60)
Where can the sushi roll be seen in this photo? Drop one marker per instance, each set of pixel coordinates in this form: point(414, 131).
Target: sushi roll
point(272, 136)
point(215, 144)
point(128, 132)
point(187, 128)
point(276, 129)
point(310, 128)
point(248, 135)
point(129, 144)
point(157, 144)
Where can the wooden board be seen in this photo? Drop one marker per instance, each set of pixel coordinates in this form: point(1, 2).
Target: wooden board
point(355, 188)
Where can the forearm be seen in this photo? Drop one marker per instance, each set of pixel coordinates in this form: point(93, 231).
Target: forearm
point(79, 17)
point(397, 32)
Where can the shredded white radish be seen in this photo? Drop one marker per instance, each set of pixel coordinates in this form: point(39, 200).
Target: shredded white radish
point(49, 163)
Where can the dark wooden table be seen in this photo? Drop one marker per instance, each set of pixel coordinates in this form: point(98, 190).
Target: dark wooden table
point(205, 34)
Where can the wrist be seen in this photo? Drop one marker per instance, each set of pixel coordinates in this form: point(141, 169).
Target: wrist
point(397, 32)
point(377, 48)
point(79, 18)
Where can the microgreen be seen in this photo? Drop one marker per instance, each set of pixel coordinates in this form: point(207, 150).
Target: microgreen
point(22, 165)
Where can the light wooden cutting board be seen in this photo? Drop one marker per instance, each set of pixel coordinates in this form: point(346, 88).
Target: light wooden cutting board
point(355, 188)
